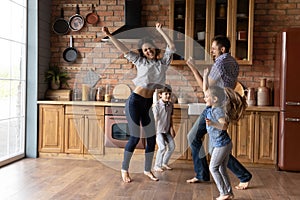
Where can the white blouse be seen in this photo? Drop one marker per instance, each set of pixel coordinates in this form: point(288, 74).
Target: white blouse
point(150, 73)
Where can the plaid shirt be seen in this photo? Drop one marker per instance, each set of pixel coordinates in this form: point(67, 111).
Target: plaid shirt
point(225, 71)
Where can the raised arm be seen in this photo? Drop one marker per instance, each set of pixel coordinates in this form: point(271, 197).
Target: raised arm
point(205, 79)
point(191, 64)
point(166, 37)
point(119, 45)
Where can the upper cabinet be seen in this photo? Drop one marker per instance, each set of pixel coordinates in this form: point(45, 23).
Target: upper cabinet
point(196, 22)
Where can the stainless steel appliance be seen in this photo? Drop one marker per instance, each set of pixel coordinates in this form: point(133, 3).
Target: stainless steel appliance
point(116, 128)
point(287, 97)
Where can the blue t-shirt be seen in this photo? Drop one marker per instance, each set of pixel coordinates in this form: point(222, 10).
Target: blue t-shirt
point(217, 137)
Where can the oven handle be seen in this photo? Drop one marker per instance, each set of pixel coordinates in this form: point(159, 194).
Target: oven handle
point(115, 118)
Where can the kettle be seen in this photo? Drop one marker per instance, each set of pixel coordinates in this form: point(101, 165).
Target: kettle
point(251, 96)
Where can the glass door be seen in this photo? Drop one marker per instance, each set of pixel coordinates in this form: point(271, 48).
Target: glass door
point(200, 31)
point(221, 17)
point(179, 29)
point(242, 30)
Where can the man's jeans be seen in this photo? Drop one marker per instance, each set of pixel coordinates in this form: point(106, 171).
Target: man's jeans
point(201, 169)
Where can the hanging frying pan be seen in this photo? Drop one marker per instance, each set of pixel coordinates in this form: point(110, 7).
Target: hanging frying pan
point(92, 17)
point(76, 22)
point(70, 54)
point(61, 26)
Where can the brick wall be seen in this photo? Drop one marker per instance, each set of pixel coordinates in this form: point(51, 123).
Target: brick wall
point(271, 16)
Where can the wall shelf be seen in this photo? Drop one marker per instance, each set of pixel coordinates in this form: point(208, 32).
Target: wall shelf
point(79, 5)
point(81, 36)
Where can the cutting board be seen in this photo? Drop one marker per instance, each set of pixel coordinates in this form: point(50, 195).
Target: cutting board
point(121, 91)
point(239, 89)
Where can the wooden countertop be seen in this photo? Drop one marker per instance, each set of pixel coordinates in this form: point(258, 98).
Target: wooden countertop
point(183, 106)
point(95, 103)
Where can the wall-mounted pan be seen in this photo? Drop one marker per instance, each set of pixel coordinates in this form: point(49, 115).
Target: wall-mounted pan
point(70, 54)
point(61, 26)
point(76, 22)
point(92, 17)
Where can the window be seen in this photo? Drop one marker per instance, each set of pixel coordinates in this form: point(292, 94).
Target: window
point(13, 15)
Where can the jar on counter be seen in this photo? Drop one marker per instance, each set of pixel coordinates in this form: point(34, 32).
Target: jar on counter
point(99, 94)
point(251, 97)
point(76, 94)
point(85, 92)
point(263, 94)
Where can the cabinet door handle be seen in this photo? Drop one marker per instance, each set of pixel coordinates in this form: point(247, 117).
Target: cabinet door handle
point(291, 103)
point(292, 119)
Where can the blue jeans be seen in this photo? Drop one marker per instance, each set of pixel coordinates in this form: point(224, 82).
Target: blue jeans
point(199, 156)
point(217, 166)
point(166, 147)
point(138, 113)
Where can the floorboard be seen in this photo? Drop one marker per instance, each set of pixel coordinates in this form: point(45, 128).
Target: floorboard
point(70, 179)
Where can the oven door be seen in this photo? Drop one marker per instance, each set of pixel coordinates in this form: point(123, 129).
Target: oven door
point(117, 133)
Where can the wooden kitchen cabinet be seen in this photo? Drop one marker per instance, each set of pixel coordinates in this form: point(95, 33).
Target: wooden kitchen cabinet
point(200, 20)
point(254, 138)
point(266, 130)
point(180, 124)
point(84, 130)
point(205, 140)
point(51, 128)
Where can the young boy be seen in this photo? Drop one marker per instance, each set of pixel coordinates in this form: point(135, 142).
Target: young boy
point(163, 110)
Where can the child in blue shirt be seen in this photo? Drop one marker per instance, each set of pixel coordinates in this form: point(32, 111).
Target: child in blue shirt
point(225, 105)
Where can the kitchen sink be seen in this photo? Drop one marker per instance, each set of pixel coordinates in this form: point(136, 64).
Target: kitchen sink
point(196, 108)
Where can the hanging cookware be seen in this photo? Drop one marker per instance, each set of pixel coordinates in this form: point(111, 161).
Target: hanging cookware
point(61, 26)
point(76, 22)
point(92, 17)
point(70, 54)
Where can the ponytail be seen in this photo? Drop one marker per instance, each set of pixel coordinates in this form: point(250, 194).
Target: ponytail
point(234, 105)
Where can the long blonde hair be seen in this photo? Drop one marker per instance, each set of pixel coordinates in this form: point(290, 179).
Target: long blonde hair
point(232, 102)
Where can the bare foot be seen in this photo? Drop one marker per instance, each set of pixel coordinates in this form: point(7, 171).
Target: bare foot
point(158, 169)
point(151, 176)
point(125, 176)
point(224, 197)
point(242, 186)
point(167, 167)
point(193, 180)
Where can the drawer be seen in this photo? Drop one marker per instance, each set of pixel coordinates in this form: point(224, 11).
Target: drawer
point(84, 110)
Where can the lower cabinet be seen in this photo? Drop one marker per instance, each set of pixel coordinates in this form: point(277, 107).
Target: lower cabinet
point(79, 130)
point(51, 128)
point(180, 127)
point(255, 137)
point(84, 130)
point(71, 129)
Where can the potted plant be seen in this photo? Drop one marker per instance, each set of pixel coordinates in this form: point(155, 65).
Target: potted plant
point(56, 77)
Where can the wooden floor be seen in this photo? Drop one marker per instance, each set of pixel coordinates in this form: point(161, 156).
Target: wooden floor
point(63, 179)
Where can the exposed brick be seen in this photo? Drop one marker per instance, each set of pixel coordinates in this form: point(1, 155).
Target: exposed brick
point(270, 17)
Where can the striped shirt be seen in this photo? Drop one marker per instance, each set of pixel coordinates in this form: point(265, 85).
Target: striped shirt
point(225, 71)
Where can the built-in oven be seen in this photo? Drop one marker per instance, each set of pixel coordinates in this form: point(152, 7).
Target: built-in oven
point(116, 128)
